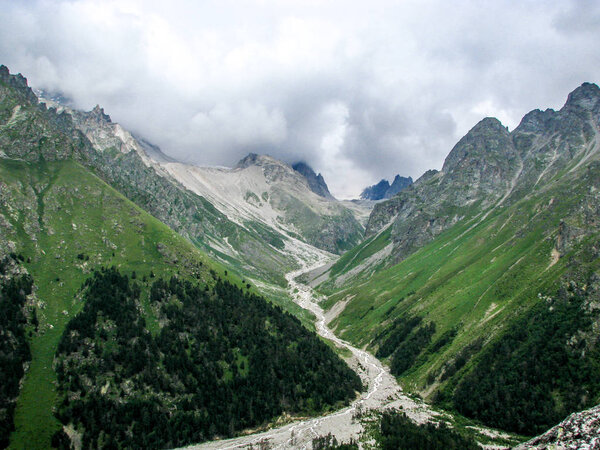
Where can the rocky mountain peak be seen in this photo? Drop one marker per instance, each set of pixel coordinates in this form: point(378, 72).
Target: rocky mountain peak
point(427, 175)
point(486, 139)
point(273, 169)
point(398, 185)
point(253, 159)
point(536, 121)
point(316, 183)
point(383, 189)
point(489, 124)
point(19, 82)
point(375, 192)
point(585, 96)
point(99, 114)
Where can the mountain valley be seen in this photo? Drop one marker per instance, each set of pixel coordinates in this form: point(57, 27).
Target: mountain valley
point(63, 225)
point(162, 304)
point(454, 266)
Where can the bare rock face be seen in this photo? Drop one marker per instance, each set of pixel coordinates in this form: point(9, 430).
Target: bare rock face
point(476, 174)
point(398, 185)
point(578, 431)
point(30, 131)
point(375, 192)
point(17, 82)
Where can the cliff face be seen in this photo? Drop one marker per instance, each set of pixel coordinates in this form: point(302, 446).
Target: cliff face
point(399, 184)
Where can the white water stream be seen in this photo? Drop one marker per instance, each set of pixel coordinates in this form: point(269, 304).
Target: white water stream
point(382, 391)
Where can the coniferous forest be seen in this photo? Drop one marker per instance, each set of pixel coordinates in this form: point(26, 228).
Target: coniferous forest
point(544, 367)
point(14, 348)
point(219, 359)
point(398, 432)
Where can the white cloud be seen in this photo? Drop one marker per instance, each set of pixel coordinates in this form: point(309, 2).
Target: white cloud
point(359, 90)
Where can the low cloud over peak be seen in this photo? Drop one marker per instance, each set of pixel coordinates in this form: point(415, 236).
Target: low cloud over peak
point(360, 92)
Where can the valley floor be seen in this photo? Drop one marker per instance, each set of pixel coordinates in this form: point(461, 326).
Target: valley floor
point(383, 392)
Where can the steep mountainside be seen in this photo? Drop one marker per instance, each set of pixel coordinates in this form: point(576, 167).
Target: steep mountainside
point(104, 135)
point(384, 190)
point(28, 129)
point(316, 183)
point(397, 185)
point(488, 169)
point(252, 245)
point(456, 267)
point(65, 222)
point(263, 190)
point(215, 362)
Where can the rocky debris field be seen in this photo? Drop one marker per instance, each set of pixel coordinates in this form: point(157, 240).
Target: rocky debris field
point(578, 431)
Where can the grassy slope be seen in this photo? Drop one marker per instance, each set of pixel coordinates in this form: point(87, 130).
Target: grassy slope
point(355, 256)
point(79, 214)
point(475, 278)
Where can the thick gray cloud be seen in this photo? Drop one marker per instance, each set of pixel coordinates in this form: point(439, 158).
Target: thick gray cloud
point(359, 91)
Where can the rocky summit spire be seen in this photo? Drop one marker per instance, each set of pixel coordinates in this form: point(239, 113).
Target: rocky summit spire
point(19, 82)
point(316, 183)
point(586, 96)
point(99, 114)
point(487, 139)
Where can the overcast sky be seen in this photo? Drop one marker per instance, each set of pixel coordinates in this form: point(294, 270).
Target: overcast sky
point(359, 90)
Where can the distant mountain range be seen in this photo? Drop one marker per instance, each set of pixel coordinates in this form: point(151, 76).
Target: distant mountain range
point(383, 189)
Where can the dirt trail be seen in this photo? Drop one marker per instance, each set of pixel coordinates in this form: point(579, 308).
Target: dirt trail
point(383, 391)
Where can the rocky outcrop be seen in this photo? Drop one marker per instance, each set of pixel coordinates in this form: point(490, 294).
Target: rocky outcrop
point(578, 431)
point(316, 183)
point(30, 131)
point(397, 185)
point(476, 174)
point(384, 190)
point(18, 82)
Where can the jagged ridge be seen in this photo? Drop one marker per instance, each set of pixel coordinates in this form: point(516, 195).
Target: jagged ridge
point(384, 190)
